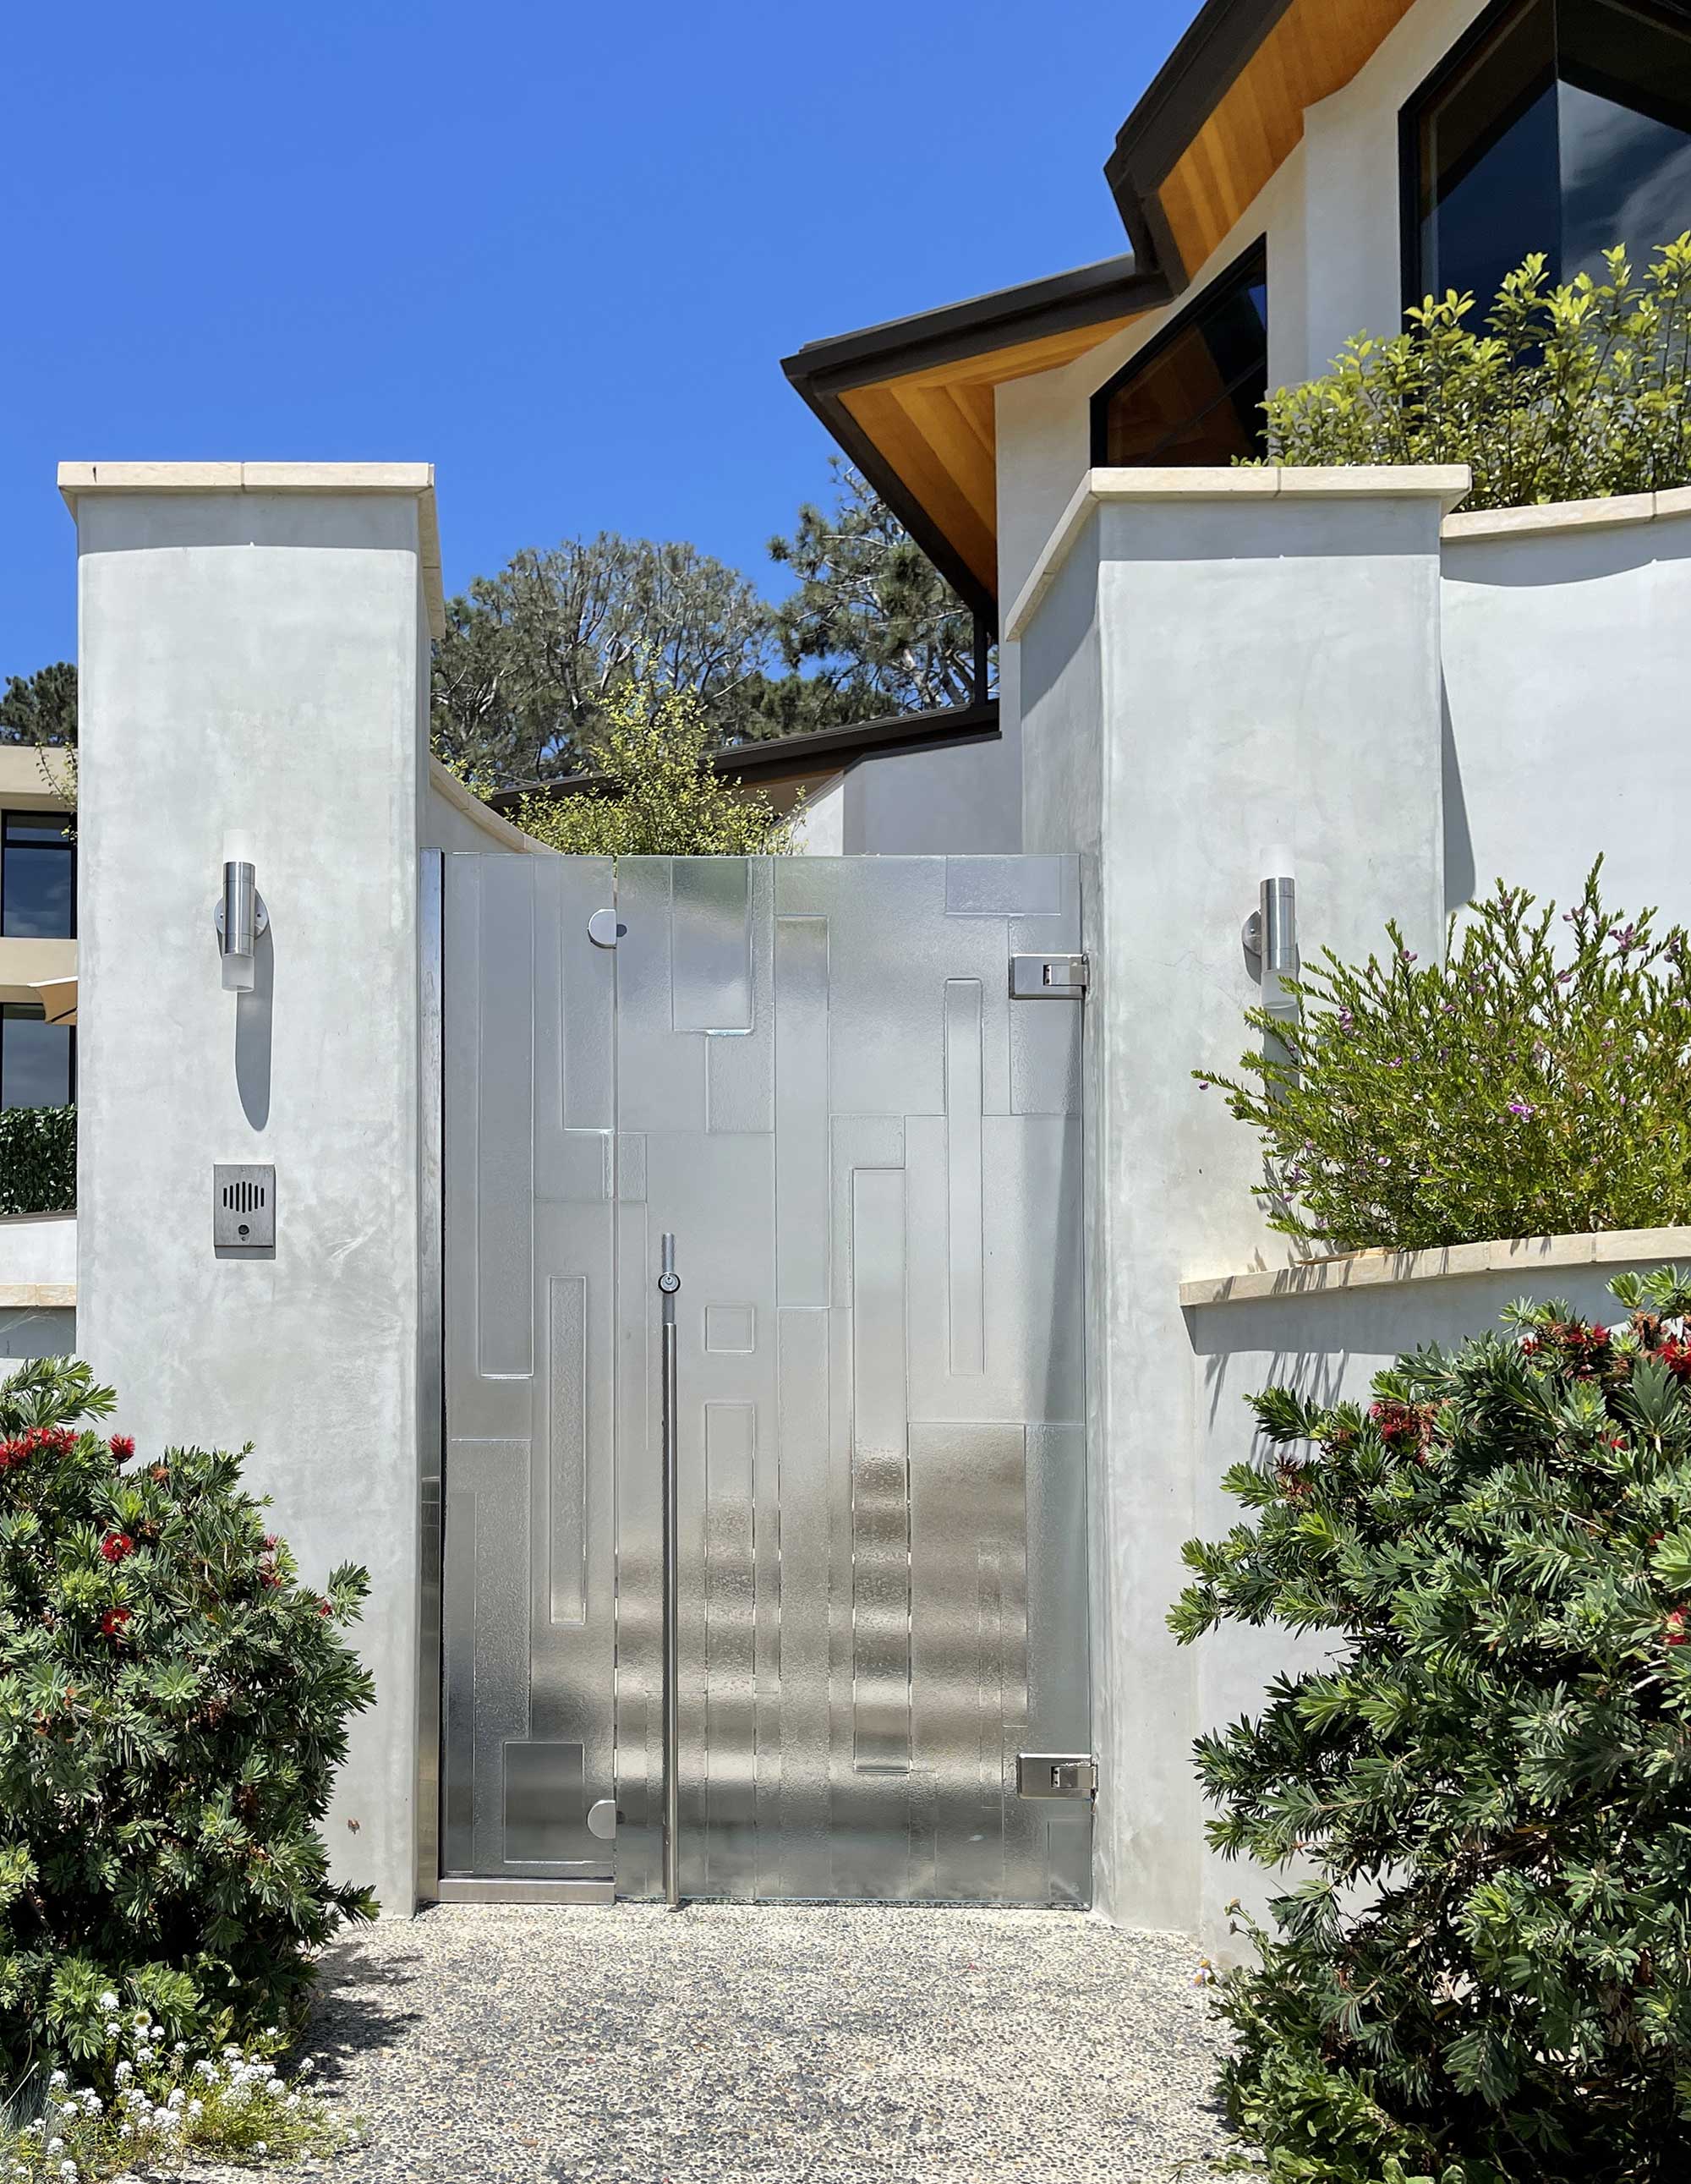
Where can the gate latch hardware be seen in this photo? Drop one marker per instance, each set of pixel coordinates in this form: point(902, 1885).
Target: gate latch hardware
point(1047, 978)
point(1055, 1774)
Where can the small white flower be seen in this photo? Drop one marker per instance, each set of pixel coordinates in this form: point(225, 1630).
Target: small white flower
point(232, 2049)
point(181, 2048)
point(55, 2146)
point(113, 2028)
point(125, 2129)
point(91, 2101)
point(203, 2070)
point(196, 2107)
point(176, 2098)
point(123, 2072)
point(261, 2148)
point(68, 2169)
point(307, 2067)
point(292, 2101)
point(109, 2000)
point(58, 2079)
point(67, 2108)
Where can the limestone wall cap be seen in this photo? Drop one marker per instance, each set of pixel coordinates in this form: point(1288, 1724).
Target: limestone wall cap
point(416, 479)
point(1517, 1254)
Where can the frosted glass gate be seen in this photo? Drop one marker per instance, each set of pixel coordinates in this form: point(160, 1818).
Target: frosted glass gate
point(811, 1074)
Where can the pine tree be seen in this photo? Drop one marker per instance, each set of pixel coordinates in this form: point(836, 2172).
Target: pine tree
point(173, 1708)
point(1485, 1977)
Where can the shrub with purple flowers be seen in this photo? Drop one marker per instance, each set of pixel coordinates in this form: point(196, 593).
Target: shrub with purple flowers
point(1536, 1081)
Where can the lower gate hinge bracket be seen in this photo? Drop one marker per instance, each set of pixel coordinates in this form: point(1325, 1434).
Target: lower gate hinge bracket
point(1055, 1774)
point(1048, 978)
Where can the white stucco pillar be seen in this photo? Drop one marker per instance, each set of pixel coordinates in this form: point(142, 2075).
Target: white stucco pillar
point(1212, 661)
point(254, 673)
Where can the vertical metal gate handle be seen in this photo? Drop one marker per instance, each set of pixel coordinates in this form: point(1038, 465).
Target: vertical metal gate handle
point(668, 1282)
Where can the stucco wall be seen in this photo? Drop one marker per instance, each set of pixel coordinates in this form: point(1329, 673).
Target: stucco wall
point(1330, 1344)
point(37, 1247)
point(1216, 665)
point(956, 799)
point(255, 658)
point(1568, 656)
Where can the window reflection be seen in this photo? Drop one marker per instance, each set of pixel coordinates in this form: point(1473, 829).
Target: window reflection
point(37, 1059)
point(1567, 129)
point(38, 876)
point(1195, 396)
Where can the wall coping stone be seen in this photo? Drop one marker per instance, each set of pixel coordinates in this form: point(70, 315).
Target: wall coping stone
point(36, 1296)
point(75, 479)
point(1379, 1269)
point(1448, 483)
point(1554, 515)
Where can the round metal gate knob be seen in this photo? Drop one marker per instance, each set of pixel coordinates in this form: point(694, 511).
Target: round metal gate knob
point(602, 1818)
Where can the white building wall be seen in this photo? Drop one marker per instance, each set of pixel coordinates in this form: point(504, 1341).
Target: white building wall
point(253, 660)
point(1218, 663)
point(1567, 660)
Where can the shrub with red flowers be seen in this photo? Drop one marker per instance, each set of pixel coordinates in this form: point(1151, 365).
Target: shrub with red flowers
point(173, 1707)
point(1483, 1972)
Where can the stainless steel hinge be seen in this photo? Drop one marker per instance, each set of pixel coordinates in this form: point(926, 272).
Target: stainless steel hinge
point(1048, 978)
point(1055, 1774)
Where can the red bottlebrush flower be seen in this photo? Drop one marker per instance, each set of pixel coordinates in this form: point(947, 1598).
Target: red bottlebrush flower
point(122, 1446)
point(324, 1609)
point(1402, 1425)
point(115, 1546)
point(271, 1543)
point(1676, 1355)
point(1675, 1627)
point(114, 1621)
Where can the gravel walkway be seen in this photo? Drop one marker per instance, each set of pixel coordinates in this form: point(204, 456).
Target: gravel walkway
point(729, 2043)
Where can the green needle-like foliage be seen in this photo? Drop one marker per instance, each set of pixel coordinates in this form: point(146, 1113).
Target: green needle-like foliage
point(1482, 1973)
point(1532, 1083)
point(173, 1707)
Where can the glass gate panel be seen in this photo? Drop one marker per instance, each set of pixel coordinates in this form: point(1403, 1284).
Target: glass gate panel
point(811, 1072)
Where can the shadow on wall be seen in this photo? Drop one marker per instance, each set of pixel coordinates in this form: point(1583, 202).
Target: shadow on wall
point(253, 1014)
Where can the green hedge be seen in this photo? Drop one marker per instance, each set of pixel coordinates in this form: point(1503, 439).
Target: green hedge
point(38, 1159)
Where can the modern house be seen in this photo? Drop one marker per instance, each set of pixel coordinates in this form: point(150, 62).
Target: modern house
point(37, 928)
point(768, 1325)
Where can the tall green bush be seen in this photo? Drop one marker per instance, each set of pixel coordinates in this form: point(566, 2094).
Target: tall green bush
point(1570, 393)
point(662, 795)
point(1486, 1978)
point(173, 1707)
point(38, 1159)
point(1532, 1083)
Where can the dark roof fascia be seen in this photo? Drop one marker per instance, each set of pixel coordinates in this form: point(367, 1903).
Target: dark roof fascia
point(828, 750)
point(823, 371)
point(1087, 295)
point(1180, 98)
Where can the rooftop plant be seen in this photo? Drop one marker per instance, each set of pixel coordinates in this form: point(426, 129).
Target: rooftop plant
point(1571, 392)
point(1535, 1081)
point(1484, 1976)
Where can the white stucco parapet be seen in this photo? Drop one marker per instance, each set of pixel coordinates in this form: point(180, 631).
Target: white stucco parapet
point(1355, 1270)
point(1448, 483)
point(76, 479)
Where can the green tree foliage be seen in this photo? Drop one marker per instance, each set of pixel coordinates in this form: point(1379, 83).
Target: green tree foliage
point(38, 1159)
point(871, 616)
point(173, 1708)
point(39, 708)
point(534, 657)
point(1485, 1976)
point(660, 795)
point(1516, 1088)
point(1572, 392)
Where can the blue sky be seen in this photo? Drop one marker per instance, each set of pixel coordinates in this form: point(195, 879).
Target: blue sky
point(557, 251)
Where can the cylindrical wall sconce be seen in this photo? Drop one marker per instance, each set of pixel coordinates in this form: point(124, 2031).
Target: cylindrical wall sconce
point(240, 918)
point(1272, 930)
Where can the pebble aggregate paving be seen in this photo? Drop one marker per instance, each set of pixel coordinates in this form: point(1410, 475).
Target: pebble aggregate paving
point(732, 2044)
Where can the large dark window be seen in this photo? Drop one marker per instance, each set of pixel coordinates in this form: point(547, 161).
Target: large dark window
point(37, 1059)
point(1560, 126)
point(1195, 395)
point(38, 876)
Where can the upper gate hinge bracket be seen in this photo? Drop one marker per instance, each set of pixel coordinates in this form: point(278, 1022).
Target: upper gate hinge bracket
point(1048, 978)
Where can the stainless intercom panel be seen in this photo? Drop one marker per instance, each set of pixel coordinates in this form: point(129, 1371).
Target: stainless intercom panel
point(243, 1207)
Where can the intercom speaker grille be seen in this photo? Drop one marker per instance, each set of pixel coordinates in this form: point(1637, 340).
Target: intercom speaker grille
point(243, 1207)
